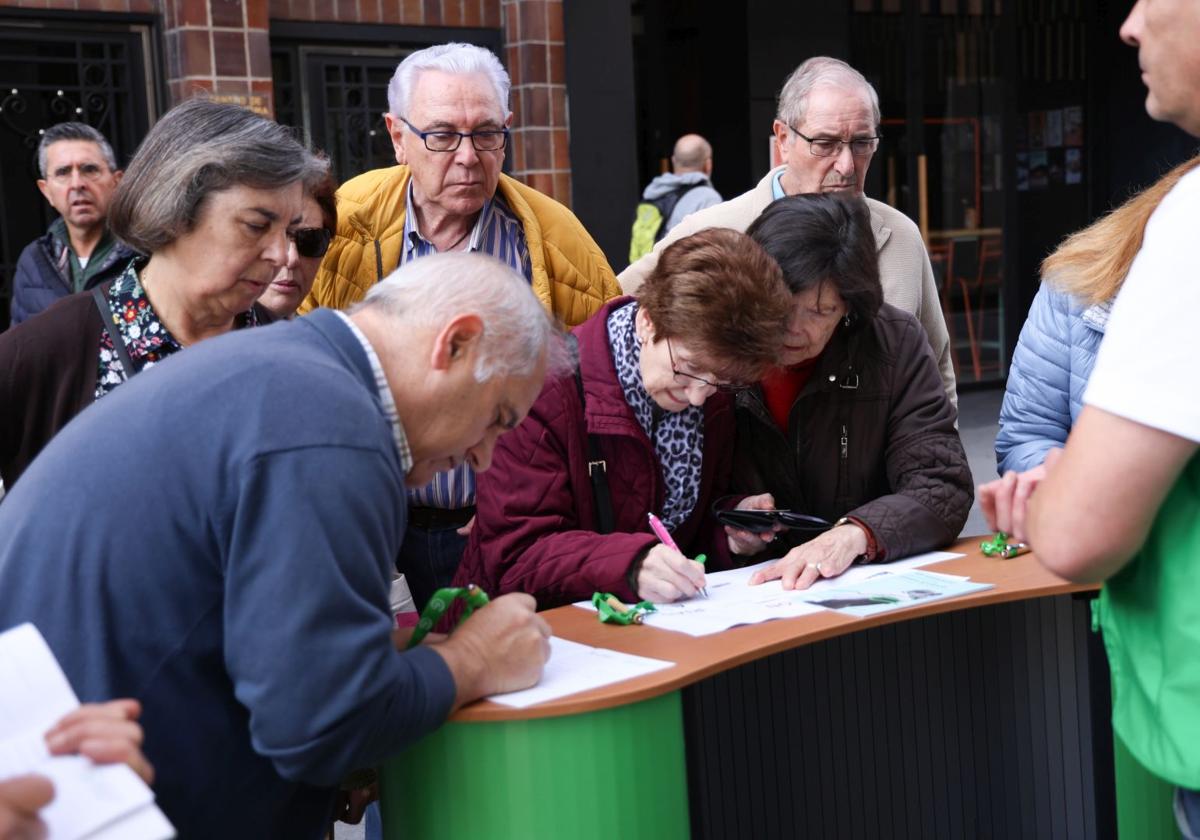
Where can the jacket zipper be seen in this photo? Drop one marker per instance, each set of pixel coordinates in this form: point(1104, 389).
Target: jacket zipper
point(843, 469)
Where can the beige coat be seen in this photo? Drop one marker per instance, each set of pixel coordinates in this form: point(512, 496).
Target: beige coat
point(904, 269)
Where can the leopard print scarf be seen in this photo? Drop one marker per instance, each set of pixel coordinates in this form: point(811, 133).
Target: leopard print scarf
point(678, 437)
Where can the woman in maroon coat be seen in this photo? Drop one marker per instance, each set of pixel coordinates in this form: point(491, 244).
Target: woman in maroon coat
point(656, 373)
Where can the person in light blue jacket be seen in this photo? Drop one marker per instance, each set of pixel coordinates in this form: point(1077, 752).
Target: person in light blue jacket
point(1057, 348)
point(1050, 369)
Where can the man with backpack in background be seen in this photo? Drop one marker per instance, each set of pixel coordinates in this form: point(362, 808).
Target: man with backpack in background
point(672, 196)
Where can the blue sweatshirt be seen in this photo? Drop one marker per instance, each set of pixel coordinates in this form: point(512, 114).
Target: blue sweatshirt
point(214, 538)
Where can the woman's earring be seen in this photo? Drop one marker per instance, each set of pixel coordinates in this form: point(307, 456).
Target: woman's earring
point(846, 320)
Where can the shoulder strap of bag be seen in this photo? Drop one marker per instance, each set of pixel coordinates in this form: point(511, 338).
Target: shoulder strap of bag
point(597, 466)
point(100, 296)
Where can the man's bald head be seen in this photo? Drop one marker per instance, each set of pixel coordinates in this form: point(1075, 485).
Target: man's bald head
point(692, 154)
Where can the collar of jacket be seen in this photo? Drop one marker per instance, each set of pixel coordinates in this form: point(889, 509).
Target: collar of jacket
point(380, 196)
point(836, 370)
point(764, 194)
point(1096, 316)
point(606, 412)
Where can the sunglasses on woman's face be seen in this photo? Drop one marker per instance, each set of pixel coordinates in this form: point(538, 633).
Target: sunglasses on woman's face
point(312, 242)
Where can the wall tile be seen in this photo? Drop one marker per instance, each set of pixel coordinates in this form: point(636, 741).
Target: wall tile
point(433, 13)
point(229, 53)
point(532, 61)
point(538, 151)
point(558, 64)
point(554, 21)
point(492, 16)
point(562, 149)
point(533, 20)
point(259, 44)
point(195, 53)
point(193, 13)
point(536, 106)
point(226, 12)
point(412, 12)
point(258, 13)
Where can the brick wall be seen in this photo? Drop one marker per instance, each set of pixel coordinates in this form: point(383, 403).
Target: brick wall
point(222, 47)
point(536, 60)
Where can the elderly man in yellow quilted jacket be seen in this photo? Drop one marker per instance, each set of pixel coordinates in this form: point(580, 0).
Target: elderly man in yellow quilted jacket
point(449, 123)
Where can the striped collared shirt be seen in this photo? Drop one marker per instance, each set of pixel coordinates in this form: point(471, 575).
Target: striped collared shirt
point(386, 401)
point(499, 233)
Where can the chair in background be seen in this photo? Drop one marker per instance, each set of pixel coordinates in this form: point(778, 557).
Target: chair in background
point(972, 278)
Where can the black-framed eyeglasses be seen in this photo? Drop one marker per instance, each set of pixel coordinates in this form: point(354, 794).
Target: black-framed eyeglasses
point(488, 140)
point(832, 146)
point(723, 387)
point(311, 242)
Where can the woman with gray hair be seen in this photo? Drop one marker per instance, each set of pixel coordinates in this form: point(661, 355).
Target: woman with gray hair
point(208, 203)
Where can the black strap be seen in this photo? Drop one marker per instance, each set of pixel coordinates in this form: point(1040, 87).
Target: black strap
point(100, 296)
point(666, 204)
point(597, 466)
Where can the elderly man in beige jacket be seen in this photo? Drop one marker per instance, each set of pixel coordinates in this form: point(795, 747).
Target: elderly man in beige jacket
point(827, 128)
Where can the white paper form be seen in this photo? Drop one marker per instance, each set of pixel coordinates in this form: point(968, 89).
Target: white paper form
point(88, 799)
point(574, 667)
point(732, 601)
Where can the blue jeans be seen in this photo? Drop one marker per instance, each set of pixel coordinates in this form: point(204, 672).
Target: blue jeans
point(1187, 813)
point(429, 559)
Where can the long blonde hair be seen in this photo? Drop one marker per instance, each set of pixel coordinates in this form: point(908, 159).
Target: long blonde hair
point(1091, 264)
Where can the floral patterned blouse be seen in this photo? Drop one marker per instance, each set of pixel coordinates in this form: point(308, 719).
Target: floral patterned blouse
point(146, 338)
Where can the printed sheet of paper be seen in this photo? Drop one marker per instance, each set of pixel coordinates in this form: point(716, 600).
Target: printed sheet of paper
point(574, 667)
point(891, 591)
point(89, 800)
point(732, 601)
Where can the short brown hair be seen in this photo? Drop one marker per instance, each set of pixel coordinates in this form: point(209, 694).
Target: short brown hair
point(1091, 264)
point(720, 293)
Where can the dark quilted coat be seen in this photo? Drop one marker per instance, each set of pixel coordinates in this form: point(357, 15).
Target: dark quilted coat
point(871, 435)
point(535, 528)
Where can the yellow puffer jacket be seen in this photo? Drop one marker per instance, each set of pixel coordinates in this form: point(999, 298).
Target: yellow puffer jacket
point(571, 276)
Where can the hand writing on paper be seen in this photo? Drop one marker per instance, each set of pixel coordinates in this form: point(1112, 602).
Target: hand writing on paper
point(1005, 501)
point(825, 556)
point(107, 733)
point(666, 576)
point(745, 542)
point(502, 646)
point(21, 797)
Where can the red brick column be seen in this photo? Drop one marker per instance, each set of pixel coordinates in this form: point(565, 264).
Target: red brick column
point(219, 46)
point(536, 59)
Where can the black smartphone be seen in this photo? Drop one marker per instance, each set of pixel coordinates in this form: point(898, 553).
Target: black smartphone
point(761, 521)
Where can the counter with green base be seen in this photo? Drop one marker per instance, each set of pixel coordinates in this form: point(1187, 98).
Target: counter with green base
point(981, 716)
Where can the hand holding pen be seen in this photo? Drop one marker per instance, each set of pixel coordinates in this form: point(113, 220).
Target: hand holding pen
point(666, 574)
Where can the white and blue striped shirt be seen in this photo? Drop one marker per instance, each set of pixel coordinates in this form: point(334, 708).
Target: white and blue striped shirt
point(499, 233)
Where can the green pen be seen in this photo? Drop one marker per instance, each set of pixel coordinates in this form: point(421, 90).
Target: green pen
point(700, 558)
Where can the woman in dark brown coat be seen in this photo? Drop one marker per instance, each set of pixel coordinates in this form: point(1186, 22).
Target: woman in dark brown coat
point(854, 426)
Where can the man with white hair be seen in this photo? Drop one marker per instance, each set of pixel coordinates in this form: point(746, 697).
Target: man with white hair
point(246, 604)
point(827, 131)
point(449, 122)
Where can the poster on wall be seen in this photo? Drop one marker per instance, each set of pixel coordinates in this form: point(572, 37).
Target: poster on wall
point(1074, 166)
point(1039, 170)
point(1037, 129)
point(1054, 128)
point(1073, 126)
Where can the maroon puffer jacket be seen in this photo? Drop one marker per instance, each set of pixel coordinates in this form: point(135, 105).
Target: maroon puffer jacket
point(535, 528)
